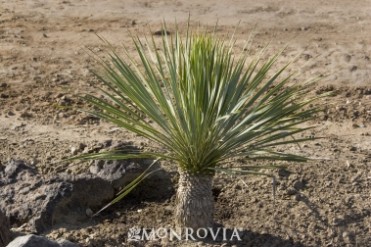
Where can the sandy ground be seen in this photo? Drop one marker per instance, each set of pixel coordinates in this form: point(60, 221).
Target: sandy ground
point(44, 67)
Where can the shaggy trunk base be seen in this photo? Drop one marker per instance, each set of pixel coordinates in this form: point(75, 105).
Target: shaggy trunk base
point(195, 202)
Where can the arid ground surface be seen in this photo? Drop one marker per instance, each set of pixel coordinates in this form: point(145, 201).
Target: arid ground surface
point(44, 66)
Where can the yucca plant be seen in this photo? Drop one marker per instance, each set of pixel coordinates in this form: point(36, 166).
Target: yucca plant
point(203, 107)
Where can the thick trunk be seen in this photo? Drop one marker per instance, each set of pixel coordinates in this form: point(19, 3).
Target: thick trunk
point(195, 203)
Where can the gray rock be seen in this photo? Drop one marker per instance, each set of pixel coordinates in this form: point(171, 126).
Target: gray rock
point(120, 172)
point(16, 170)
point(27, 198)
point(36, 203)
point(66, 243)
point(39, 241)
point(117, 172)
point(5, 233)
point(32, 241)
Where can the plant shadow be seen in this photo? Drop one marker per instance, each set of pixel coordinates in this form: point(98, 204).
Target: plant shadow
point(156, 189)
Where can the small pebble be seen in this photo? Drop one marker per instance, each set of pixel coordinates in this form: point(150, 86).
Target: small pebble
point(74, 150)
point(297, 197)
point(299, 185)
point(304, 28)
point(161, 32)
point(291, 192)
point(89, 212)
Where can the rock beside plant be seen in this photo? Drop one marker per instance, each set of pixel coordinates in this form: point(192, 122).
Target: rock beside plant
point(66, 243)
point(29, 199)
point(119, 172)
point(39, 241)
point(5, 233)
point(36, 203)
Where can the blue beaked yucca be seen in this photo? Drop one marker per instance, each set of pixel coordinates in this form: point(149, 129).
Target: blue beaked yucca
point(203, 107)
